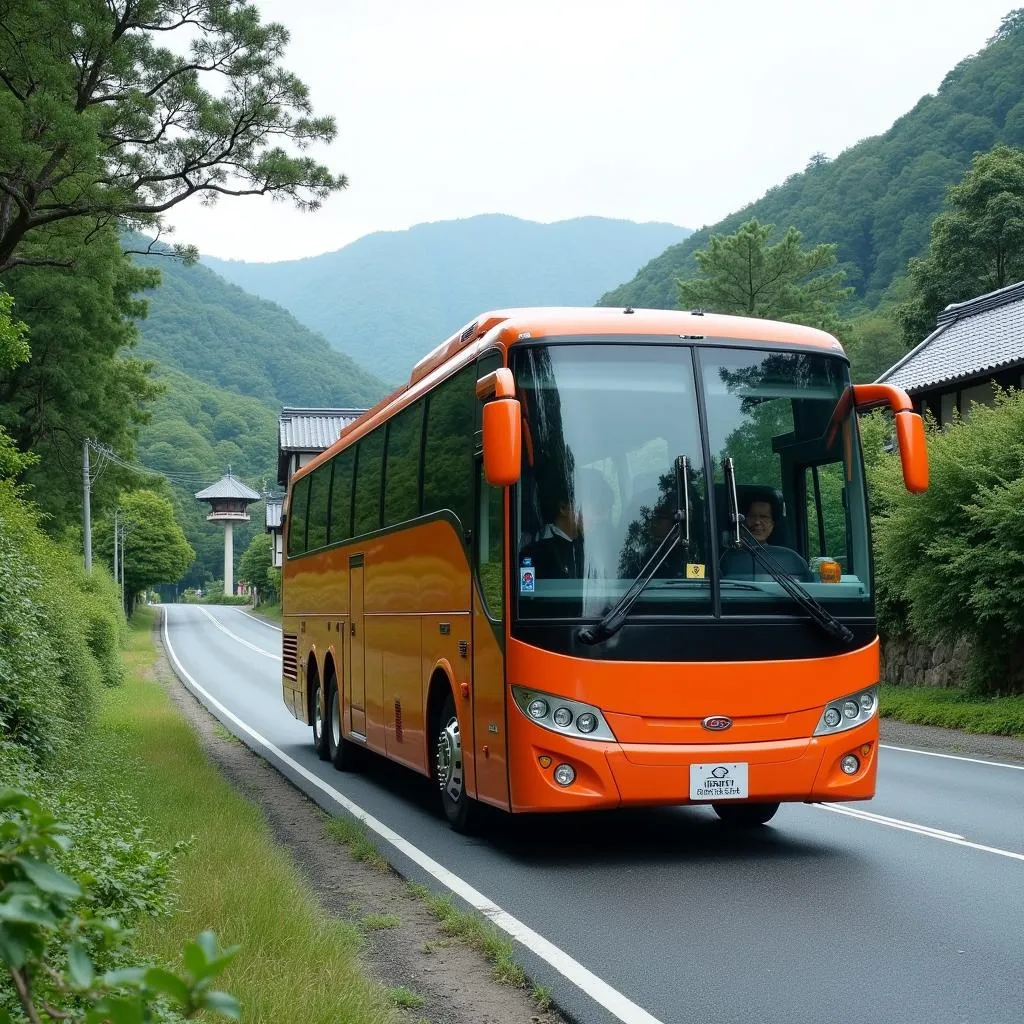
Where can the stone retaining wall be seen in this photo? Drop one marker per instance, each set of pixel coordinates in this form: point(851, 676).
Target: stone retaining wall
point(912, 663)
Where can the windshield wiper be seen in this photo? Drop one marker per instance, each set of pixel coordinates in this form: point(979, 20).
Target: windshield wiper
point(616, 616)
point(743, 538)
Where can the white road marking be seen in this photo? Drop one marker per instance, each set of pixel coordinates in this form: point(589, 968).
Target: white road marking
point(953, 757)
point(921, 830)
point(600, 991)
point(255, 618)
point(234, 636)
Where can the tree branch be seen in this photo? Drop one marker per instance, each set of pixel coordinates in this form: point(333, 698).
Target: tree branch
point(24, 996)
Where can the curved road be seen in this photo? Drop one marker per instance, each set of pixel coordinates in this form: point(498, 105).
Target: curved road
point(908, 908)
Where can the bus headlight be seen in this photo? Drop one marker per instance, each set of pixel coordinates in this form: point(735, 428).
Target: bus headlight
point(848, 712)
point(569, 718)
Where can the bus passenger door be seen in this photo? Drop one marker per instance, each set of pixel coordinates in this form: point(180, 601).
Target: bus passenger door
point(489, 733)
point(355, 677)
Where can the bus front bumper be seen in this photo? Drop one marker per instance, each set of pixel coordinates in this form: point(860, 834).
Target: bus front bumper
point(607, 774)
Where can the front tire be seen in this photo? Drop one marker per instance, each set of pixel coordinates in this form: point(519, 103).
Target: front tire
point(449, 771)
point(745, 815)
point(319, 732)
point(341, 752)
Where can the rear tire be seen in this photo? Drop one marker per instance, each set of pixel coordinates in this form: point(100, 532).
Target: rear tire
point(745, 815)
point(319, 732)
point(341, 752)
point(449, 771)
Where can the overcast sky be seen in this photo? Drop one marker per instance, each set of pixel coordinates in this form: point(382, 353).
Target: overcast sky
point(666, 110)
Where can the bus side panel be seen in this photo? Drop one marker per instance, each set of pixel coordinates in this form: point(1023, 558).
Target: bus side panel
point(491, 743)
point(403, 691)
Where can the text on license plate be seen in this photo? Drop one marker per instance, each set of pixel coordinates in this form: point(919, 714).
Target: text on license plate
point(721, 781)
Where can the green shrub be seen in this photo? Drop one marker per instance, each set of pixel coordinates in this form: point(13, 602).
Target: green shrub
point(949, 562)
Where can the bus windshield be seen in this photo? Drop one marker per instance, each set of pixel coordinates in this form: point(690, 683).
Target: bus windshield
point(605, 424)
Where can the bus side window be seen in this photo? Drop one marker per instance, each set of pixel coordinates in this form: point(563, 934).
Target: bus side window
point(369, 467)
point(341, 496)
point(491, 547)
point(448, 447)
point(319, 499)
point(297, 518)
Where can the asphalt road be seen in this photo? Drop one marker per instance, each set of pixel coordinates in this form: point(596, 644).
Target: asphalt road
point(907, 908)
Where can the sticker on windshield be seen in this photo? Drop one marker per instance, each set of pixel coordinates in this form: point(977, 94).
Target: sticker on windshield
point(527, 578)
point(695, 570)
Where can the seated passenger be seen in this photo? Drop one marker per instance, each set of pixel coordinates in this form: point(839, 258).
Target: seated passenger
point(738, 563)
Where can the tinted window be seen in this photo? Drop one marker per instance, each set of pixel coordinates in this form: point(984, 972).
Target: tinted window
point(491, 547)
point(319, 496)
point(448, 448)
point(341, 496)
point(368, 473)
point(297, 518)
point(402, 474)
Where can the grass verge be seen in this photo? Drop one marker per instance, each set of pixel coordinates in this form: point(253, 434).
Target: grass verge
point(269, 611)
point(953, 709)
point(464, 926)
point(297, 963)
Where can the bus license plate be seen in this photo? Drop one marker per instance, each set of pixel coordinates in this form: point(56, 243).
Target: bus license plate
point(722, 781)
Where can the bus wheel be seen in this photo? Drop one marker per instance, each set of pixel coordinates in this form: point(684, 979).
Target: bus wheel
point(449, 771)
point(319, 732)
point(342, 753)
point(745, 815)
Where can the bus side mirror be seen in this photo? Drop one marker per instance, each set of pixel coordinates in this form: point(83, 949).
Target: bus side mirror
point(502, 428)
point(909, 430)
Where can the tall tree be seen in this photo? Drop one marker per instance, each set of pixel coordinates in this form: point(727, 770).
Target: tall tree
point(977, 242)
point(99, 119)
point(80, 380)
point(743, 274)
point(155, 549)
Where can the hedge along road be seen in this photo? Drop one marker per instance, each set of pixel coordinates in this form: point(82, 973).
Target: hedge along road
point(904, 908)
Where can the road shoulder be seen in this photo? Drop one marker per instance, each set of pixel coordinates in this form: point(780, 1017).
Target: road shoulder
point(952, 741)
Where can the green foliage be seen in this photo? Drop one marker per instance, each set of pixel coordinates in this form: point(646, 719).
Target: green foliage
point(100, 120)
point(953, 709)
point(52, 926)
point(877, 199)
point(155, 548)
point(59, 633)
point(387, 299)
point(256, 566)
point(949, 561)
point(873, 343)
point(744, 275)
point(977, 241)
point(81, 380)
point(13, 350)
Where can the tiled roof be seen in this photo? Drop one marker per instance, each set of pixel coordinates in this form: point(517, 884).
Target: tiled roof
point(274, 506)
point(313, 430)
point(228, 487)
point(970, 339)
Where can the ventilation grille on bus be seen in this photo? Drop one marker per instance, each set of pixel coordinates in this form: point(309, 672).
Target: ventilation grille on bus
point(398, 721)
point(290, 656)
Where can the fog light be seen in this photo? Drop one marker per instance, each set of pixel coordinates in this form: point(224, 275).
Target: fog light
point(586, 722)
point(565, 775)
point(850, 764)
point(867, 702)
point(832, 717)
point(538, 708)
point(562, 717)
point(851, 709)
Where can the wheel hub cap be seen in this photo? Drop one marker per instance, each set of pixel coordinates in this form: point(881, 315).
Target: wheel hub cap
point(449, 760)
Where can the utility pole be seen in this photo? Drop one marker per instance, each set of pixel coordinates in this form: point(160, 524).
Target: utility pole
point(116, 537)
point(86, 507)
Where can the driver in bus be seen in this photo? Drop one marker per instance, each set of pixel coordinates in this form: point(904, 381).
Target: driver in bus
point(558, 553)
point(759, 519)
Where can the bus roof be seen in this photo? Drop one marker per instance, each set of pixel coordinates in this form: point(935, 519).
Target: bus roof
point(510, 326)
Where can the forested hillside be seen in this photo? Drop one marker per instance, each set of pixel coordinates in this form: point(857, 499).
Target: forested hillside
point(877, 199)
point(197, 432)
point(388, 298)
point(217, 333)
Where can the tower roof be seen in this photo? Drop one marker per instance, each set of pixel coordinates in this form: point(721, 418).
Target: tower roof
point(228, 487)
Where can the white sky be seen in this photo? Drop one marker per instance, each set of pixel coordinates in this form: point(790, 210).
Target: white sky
point(668, 110)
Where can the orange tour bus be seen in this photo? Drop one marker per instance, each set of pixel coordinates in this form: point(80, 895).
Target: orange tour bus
point(591, 558)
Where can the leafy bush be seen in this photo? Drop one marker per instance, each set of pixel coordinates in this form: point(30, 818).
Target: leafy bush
point(954, 709)
point(950, 561)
